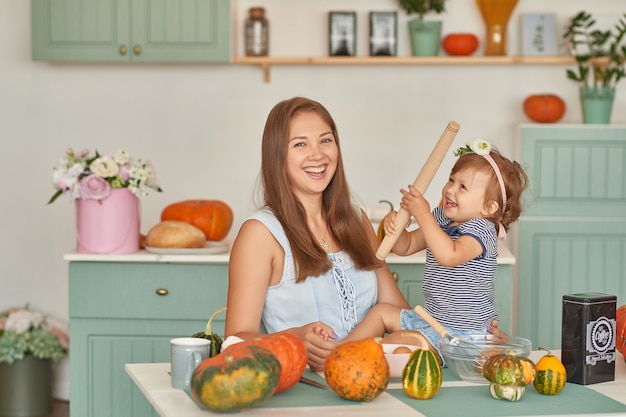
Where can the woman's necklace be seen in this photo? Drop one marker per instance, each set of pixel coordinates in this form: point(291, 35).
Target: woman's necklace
point(325, 244)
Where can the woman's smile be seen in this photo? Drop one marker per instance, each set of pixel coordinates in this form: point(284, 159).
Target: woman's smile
point(316, 172)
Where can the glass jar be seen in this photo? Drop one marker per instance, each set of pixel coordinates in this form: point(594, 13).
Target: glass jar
point(257, 32)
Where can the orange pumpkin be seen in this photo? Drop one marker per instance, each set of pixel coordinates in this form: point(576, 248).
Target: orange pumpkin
point(290, 352)
point(358, 371)
point(213, 217)
point(544, 108)
point(460, 43)
point(621, 310)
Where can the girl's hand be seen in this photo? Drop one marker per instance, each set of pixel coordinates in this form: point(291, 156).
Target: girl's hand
point(414, 202)
point(500, 334)
point(316, 338)
point(389, 223)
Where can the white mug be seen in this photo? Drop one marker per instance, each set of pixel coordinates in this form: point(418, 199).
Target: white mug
point(186, 355)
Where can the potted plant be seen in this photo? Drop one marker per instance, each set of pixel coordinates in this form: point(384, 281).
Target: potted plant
point(425, 35)
point(600, 59)
point(29, 341)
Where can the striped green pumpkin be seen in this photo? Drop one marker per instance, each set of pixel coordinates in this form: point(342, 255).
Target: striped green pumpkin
point(421, 377)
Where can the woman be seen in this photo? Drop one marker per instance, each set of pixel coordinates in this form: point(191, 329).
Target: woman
point(307, 258)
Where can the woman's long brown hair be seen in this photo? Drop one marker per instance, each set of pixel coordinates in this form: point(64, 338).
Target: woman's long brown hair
point(343, 220)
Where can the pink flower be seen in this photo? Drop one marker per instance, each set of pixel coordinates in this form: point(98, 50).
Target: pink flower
point(94, 187)
point(82, 154)
point(124, 173)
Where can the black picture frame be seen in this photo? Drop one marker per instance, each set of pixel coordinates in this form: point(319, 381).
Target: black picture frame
point(342, 33)
point(383, 33)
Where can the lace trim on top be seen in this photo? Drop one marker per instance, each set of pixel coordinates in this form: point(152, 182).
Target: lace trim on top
point(347, 296)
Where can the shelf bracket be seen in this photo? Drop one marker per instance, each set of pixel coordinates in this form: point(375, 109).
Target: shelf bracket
point(266, 72)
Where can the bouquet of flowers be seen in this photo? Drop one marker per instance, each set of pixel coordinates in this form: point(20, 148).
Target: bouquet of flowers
point(81, 175)
point(27, 332)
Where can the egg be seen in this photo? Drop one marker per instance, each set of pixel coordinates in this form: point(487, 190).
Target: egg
point(401, 349)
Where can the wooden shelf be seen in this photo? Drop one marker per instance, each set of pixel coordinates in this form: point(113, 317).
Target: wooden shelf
point(267, 62)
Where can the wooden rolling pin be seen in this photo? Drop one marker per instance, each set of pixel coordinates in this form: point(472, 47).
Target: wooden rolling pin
point(422, 182)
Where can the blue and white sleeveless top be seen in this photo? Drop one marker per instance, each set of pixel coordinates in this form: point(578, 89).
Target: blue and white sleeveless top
point(340, 297)
point(462, 297)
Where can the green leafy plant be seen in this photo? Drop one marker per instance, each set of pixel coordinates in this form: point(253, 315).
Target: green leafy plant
point(600, 55)
point(26, 332)
point(421, 7)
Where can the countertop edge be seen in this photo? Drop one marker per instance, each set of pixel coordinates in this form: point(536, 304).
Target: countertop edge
point(505, 257)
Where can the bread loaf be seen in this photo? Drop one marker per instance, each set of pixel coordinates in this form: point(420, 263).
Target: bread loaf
point(175, 234)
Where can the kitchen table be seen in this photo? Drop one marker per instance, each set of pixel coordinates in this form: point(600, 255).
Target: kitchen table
point(124, 308)
point(461, 398)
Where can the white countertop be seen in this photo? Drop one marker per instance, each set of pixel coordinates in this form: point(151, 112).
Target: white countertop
point(154, 382)
point(505, 257)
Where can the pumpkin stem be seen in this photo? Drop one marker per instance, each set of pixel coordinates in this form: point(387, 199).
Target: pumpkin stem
point(208, 325)
point(547, 350)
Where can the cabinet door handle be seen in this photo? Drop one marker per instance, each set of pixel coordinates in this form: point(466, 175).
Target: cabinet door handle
point(122, 49)
point(395, 276)
point(162, 292)
point(137, 49)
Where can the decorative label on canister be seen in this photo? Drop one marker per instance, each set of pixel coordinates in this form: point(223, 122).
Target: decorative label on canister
point(601, 341)
point(588, 337)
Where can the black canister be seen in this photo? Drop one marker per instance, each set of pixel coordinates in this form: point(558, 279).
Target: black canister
point(588, 337)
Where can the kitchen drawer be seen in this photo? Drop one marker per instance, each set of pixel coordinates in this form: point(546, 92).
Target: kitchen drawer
point(146, 290)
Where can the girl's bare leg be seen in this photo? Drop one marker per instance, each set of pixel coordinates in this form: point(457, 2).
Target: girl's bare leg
point(382, 318)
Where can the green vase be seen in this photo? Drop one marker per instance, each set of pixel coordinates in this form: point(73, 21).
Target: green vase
point(597, 104)
point(425, 37)
point(26, 388)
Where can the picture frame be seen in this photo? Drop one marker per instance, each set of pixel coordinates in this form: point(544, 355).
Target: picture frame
point(342, 33)
point(383, 34)
point(539, 34)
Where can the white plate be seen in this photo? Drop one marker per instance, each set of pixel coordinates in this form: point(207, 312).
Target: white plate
point(208, 249)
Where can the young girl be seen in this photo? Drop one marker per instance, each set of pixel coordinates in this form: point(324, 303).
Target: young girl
point(479, 202)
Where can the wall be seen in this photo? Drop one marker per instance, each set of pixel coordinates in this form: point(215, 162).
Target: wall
point(201, 124)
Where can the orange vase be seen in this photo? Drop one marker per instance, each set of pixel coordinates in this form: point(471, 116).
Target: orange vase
point(496, 14)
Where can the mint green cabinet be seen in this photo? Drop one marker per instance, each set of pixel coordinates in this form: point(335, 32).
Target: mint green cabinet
point(572, 235)
point(131, 30)
point(410, 278)
point(126, 312)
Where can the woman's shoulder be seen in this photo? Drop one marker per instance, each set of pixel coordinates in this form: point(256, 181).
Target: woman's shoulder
point(264, 222)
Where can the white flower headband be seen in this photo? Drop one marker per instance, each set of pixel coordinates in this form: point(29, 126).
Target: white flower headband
point(483, 148)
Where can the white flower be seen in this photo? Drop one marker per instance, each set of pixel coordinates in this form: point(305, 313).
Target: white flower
point(22, 320)
point(122, 157)
point(480, 146)
point(104, 167)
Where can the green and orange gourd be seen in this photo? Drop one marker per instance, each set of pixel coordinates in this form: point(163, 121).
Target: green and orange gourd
point(508, 376)
point(241, 377)
point(551, 374)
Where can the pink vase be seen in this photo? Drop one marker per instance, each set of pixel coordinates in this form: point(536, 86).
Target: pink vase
point(109, 226)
